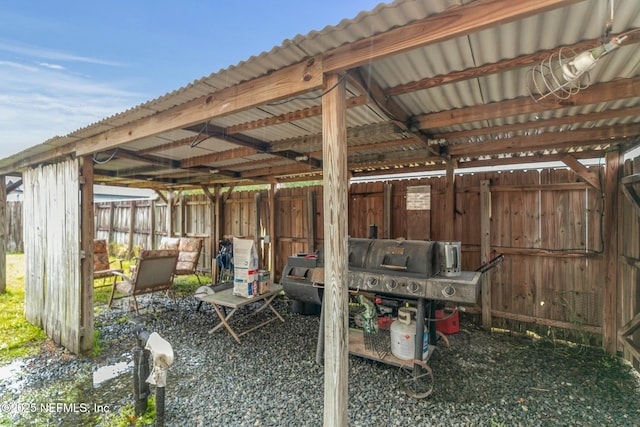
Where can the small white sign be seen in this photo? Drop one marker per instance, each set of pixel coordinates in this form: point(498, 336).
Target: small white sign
point(419, 198)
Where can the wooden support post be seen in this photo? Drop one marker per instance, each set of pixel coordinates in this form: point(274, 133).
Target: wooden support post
point(86, 262)
point(169, 215)
point(152, 226)
point(272, 229)
point(611, 191)
point(485, 248)
point(311, 221)
point(210, 229)
point(217, 234)
point(387, 212)
point(257, 233)
point(111, 216)
point(335, 201)
point(181, 214)
point(132, 227)
point(450, 203)
point(3, 234)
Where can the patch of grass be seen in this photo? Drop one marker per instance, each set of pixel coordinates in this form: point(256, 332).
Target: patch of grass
point(97, 344)
point(186, 285)
point(127, 418)
point(18, 338)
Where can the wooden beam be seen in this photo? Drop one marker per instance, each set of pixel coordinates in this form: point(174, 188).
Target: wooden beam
point(335, 201)
point(485, 249)
point(162, 196)
point(546, 141)
point(541, 124)
point(355, 101)
point(13, 186)
point(454, 22)
point(278, 85)
point(602, 92)
point(497, 67)
point(132, 224)
point(387, 211)
point(272, 229)
point(87, 235)
point(450, 202)
point(367, 85)
point(590, 177)
point(221, 156)
point(290, 169)
point(453, 77)
point(610, 303)
point(311, 221)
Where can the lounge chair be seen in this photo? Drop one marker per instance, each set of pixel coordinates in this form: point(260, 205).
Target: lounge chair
point(155, 270)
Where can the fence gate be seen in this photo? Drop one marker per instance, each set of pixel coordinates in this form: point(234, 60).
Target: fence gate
point(52, 251)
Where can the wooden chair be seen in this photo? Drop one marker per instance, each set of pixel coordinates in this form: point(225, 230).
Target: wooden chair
point(101, 264)
point(154, 273)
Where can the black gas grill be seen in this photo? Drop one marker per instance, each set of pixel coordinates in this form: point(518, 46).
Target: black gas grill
point(398, 268)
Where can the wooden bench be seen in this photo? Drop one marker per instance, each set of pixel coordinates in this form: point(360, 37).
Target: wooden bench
point(154, 272)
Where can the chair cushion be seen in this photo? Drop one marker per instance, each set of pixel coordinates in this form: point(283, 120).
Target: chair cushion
point(170, 243)
point(190, 244)
point(100, 255)
point(124, 287)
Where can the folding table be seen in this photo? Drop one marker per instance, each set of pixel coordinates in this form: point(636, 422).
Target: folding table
point(226, 298)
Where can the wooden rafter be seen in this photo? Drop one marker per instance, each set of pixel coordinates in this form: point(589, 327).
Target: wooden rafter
point(546, 141)
point(539, 124)
point(603, 92)
point(278, 85)
point(367, 85)
point(590, 177)
point(496, 67)
point(452, 23)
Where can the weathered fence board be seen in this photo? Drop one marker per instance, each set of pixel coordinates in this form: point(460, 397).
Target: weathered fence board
point(53, 287)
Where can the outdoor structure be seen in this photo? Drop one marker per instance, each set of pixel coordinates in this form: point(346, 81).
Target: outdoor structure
point(413, 86)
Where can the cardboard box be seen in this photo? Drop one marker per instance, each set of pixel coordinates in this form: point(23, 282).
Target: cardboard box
point(245, 268)
point(264, 282)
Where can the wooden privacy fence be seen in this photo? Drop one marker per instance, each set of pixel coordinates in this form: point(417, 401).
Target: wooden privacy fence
point(548, 224)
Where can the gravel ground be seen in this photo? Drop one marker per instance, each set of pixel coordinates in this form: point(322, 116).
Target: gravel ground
point(271, 379)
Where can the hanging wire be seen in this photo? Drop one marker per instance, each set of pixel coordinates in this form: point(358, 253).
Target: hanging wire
point(205, 130)
point(309, 98)
point(609, 24)
point(102, 162)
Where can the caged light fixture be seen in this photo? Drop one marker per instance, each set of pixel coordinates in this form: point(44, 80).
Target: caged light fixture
point(565, 73)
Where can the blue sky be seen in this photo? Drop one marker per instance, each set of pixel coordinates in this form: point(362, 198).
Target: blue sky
point(67, 64)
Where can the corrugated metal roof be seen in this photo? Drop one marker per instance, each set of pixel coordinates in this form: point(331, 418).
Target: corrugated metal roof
point(549, 30)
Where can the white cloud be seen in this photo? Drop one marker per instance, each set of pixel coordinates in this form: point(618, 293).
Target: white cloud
point(52, 66)
point(40, 102)
point(51, 54)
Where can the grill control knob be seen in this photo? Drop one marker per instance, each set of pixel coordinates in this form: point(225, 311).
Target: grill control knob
point(392, 284)
point(449, 291)
point(372, 282)
point(413, 287)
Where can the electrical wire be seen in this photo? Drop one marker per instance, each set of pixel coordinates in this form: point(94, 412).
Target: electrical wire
point(309, 98)
point(195, 142)
point(102, 162)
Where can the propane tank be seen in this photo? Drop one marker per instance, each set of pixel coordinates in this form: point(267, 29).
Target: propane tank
point(403, 336)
